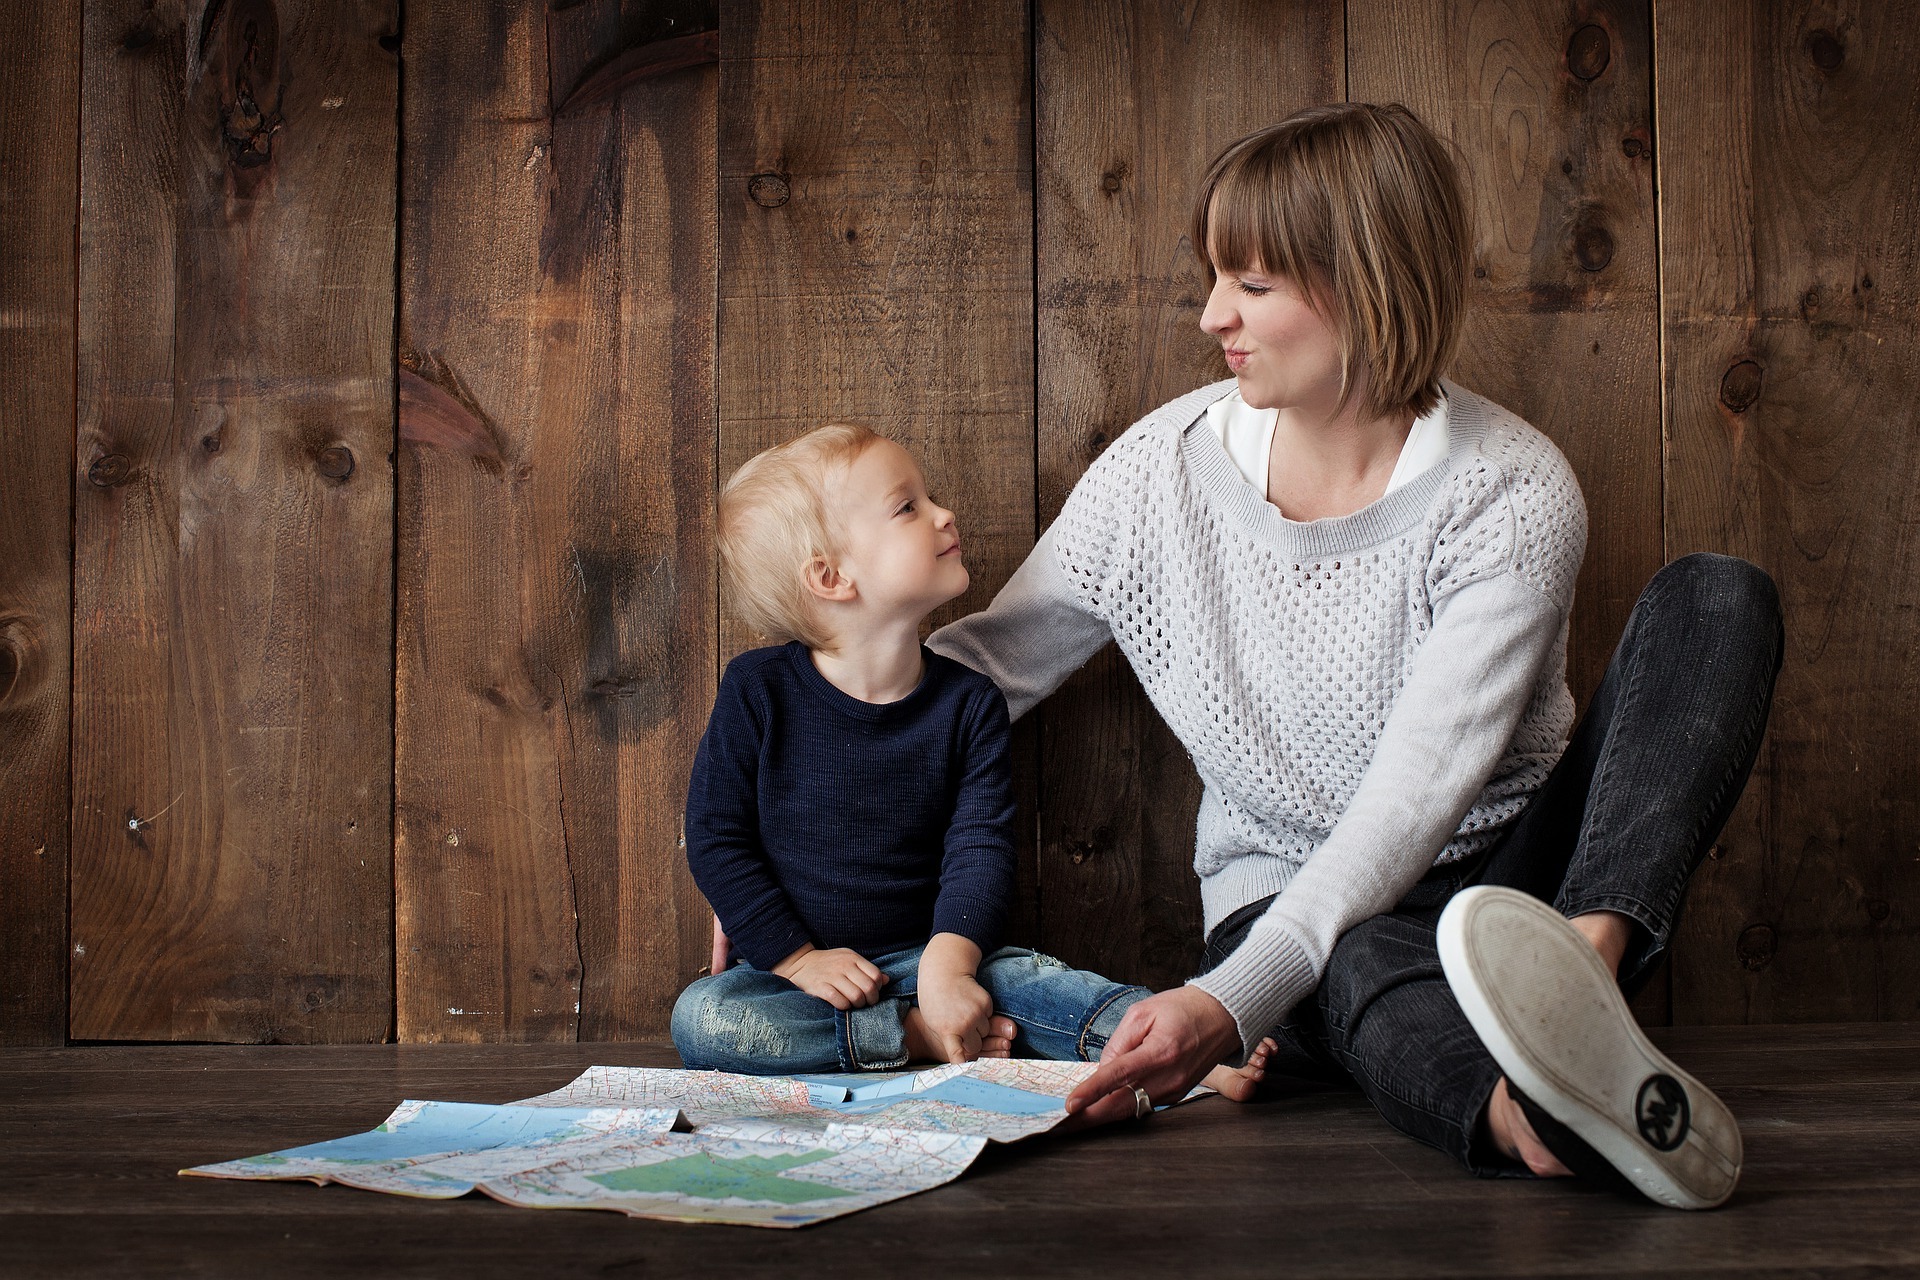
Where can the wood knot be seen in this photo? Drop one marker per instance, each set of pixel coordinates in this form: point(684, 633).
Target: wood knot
point(1825, 49)
point(1588, 52)
point(1740, 386)
point(1756, 946)
point(1633, 147)
point(335, 462)
point(1878, 910)
point(768, 190)
point(109, 471)
point(247, 128)
point(1592, 243)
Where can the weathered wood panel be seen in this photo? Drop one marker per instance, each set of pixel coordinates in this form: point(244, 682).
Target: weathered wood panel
point(1551, 107)
point(1790, 226)
point(39, 135)
point(233, 559)
point(555, 571)
point(875, 223)
point(1132, 102)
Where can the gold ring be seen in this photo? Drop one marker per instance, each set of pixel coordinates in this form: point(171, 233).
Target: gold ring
point(1142, 1104)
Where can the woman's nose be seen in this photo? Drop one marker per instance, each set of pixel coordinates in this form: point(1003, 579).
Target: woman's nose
point(1218, 318)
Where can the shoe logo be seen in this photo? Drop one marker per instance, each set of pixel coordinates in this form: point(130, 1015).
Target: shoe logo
point(1662, 1113)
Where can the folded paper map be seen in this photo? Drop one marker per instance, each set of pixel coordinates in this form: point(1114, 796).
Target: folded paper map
point(696, 1146)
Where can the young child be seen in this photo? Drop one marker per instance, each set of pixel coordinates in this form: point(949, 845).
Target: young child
point(850, 811)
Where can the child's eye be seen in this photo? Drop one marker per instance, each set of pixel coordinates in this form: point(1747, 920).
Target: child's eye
point(905, 507)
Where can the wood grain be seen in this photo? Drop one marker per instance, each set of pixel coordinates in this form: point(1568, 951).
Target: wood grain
point(233, 561)
point(39, 135)
point(555, 570)
point(876, 249)
point(1312, 1183)
point(1551, 108)
point(1790, 216)
point(1133, 101)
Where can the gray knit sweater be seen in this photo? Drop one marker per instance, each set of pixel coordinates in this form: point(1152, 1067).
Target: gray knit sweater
point(1362, 696)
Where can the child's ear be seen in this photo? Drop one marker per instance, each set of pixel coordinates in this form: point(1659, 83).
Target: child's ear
point(826, 582)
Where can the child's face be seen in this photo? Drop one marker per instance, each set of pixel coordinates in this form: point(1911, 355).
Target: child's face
point(1283, 353)
point(902, 549)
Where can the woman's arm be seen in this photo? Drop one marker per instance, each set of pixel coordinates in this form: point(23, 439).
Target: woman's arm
point(1033, 636)
point(1469, 686)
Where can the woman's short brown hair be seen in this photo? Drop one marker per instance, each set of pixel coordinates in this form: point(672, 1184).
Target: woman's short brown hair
point(775, 516)
point(1364, 209)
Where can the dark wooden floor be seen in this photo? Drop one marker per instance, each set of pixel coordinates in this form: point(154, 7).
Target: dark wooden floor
point(1310, 1185)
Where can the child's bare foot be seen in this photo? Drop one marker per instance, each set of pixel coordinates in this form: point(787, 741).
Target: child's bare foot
point(998, 1042)
point(1239, 1083)
point(924, 1046)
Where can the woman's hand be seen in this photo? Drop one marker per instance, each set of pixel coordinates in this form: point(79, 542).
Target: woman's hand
point(842, 977)
point(1166, 1044)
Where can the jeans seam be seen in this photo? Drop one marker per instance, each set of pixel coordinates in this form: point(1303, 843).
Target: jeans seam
point(1080, 1040)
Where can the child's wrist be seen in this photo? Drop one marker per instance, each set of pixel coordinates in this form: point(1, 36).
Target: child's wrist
point(786, 967)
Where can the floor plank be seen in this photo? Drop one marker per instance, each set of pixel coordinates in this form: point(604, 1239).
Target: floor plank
point(1310, 1184)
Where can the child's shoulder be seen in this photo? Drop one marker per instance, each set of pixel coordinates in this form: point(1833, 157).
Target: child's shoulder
point(963, 684)
point(756, 669)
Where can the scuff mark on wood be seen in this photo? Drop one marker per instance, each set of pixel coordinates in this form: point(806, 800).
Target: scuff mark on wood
point(436, 412)
point(642, 62)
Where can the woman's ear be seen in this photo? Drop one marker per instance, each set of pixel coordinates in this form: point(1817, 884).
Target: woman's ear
point(826, 582)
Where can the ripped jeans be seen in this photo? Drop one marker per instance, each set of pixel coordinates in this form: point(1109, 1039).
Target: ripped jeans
point(753, 1022)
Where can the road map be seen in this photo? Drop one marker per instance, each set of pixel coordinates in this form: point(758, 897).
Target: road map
point(695, 1146)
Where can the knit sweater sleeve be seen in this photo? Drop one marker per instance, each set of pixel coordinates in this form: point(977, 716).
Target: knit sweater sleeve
point(977, 864)
point(1035, 634)
point(1500, 613)
point(724, 850)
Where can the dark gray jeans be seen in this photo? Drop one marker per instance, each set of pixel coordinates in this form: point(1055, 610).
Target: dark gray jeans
point(1648, 780)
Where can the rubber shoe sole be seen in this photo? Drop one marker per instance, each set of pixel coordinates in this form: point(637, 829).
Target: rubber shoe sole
point(1553, 1018)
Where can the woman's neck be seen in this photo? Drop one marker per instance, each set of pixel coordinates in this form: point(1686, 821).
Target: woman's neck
point(878, 664)
point(1320, 467)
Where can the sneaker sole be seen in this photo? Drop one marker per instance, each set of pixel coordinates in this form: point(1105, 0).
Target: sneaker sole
point(1551, 1015)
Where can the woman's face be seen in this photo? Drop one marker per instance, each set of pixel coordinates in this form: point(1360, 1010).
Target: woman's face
point(1284, 355)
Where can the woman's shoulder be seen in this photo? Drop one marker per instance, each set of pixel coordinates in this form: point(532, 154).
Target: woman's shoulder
point(1514, 498)
point(1142, 449)
point(1489, 435)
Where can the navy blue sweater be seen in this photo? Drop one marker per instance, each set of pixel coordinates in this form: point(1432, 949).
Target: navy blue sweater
point(815, 817)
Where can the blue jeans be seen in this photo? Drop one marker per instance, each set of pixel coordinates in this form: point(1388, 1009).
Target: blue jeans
point(1649, 778)
point(750, 1021)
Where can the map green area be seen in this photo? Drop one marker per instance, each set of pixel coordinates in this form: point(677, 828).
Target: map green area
point(719, 1178)
point(694, 1146)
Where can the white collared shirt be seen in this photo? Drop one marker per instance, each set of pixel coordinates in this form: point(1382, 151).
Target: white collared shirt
point(1247, 435)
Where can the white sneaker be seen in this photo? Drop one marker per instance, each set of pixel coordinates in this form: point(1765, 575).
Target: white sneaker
point(1551, 1015)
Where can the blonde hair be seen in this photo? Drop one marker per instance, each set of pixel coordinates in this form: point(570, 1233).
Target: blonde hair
point(773, 520)
point(1364, 209)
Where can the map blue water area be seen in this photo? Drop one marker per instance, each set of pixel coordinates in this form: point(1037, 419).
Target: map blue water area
point(962, 1091)
point(442, 1127)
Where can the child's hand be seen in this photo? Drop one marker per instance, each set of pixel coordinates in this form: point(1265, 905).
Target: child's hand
point(842, 977)
point(722, 949)
point(957, 1011)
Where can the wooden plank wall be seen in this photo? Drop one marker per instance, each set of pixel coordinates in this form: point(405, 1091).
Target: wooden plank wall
point(39, 138)
point(1790, 226)
point(232, 693)
point(402, 365)
point(556, 578)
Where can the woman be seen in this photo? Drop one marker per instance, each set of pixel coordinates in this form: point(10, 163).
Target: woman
point(1345, 583)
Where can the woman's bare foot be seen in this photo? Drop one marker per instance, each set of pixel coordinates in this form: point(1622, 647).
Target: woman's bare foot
point(922, 1046)
point(1239, 1083)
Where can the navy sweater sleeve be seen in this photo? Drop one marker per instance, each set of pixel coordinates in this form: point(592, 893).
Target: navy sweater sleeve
point(724, 850)
point(977, 872)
